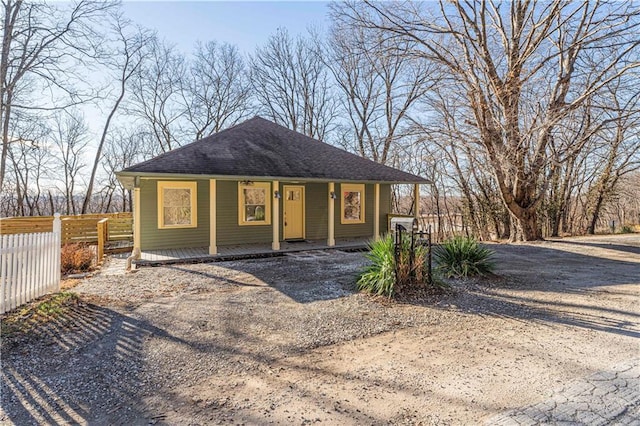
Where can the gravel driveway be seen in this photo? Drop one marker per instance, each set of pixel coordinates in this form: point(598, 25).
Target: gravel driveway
point(287, 340)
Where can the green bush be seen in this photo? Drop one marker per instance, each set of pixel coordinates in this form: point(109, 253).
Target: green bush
point(462, 257)
point(379, 277)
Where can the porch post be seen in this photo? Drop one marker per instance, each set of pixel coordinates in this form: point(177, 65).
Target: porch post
point(331, 238)
point(416, 201)
point(213, 247)
point(376, 212)
point(275, 245)
point(136, 219)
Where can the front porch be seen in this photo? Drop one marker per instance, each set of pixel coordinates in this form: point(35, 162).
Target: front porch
point(243, 251)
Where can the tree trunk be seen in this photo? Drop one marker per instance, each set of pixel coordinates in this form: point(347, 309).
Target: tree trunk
point(524, 222)
point(506, 227)
point(556, 218)
point(591, 229)
point(96, 160)
point(528, 224)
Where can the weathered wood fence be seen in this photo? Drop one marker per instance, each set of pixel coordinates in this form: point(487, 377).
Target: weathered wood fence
point(29, 266)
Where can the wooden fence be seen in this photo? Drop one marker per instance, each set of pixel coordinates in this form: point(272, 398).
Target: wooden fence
point(78, 228)
point(29, 266)
point(110, 232)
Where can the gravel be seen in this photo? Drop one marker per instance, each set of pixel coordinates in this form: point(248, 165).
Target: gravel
point(288, 340)
point(222, 318)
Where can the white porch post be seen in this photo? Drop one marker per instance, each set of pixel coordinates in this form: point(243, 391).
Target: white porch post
point(213, 247)
point(416, 201)
point(331, 238)
point(275, 245)
point(376, 212)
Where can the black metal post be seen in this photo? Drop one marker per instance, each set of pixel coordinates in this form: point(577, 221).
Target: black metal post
point(397, 249)
point(412, 254)
point(429, 271)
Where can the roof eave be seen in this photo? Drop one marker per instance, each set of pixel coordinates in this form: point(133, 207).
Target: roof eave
point(127, 175)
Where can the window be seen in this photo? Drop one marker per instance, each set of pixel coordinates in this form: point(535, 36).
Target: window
point(254, 203)
point(352, 203)
point(177, 203)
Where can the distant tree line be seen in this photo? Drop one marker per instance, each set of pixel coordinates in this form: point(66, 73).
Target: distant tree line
point(524, 115)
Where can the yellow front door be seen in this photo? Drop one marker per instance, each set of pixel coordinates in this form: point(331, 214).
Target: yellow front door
point(293, 212)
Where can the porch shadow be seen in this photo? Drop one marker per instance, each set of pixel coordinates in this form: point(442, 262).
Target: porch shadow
point(304, 277)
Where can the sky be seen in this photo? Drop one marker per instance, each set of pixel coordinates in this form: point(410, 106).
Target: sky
point(246, 24)
point(243, 23)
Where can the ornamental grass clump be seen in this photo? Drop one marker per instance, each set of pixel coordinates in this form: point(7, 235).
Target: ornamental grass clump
point(461, 257)
point(380, 276)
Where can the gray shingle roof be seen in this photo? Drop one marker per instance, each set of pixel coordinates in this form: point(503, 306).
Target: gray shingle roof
point(259, 148)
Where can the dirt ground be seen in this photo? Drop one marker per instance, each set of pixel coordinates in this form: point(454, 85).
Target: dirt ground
point(288, 341)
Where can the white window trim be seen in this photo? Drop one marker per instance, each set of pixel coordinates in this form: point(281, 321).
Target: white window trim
point(352, 187)
point(193, 188)
point(241, 203)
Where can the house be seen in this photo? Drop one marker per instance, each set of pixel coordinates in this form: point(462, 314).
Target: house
point(258, 182)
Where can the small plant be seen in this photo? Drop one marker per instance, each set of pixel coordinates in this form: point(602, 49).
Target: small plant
point(380, 277)
point(56, 304)
point(462, 257)
point(626, 229)
point(46, 309)
point(76, 257)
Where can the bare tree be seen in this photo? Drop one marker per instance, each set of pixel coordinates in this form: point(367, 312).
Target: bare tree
point(124, 60)
point(27, 164)
point(39, 44)
point(124, 148)
point(620, 148)
point(217, 89)
point(292, 84)
point(451, 142)
point(156, 98)
point(380, 85)
point(628, 205)
point(523, 67)
point(70, 137)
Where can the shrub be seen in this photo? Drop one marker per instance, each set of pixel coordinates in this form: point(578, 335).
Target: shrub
point(379, 277)
point(626, 229)
point(462, 257)
point(76, 257)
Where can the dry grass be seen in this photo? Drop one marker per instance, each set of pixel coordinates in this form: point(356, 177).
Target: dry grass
point(42, 310)
point(76, 257)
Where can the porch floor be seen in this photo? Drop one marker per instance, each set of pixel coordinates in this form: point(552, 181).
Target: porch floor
point(244, 251)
